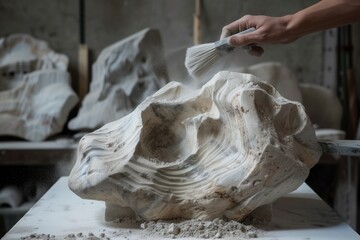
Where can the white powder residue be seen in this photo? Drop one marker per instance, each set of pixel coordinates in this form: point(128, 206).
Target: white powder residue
point(71, 236)
point(129, 228)
point(217, 228)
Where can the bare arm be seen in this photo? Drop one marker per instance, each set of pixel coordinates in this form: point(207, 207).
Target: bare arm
point(320, 16)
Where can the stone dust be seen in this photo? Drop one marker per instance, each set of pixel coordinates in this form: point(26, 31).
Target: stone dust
point(217, 228)
point(71, 236)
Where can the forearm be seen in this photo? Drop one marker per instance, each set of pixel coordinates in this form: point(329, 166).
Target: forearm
point(318, 17)
point(323, 15)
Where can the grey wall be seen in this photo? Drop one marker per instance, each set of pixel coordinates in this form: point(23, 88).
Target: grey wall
point(302, 56)
point(111, 20)
point(108, 21)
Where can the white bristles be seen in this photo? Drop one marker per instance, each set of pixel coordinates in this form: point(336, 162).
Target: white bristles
point(200, 57)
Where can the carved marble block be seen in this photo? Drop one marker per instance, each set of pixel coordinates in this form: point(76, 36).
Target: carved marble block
point(124, 74)
point(220, 151)
point(35, 93)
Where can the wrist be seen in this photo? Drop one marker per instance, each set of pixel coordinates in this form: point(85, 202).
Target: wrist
point(288, 23)
point(291, 27)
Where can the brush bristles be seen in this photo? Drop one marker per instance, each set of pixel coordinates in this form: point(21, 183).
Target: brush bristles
point(199, 58)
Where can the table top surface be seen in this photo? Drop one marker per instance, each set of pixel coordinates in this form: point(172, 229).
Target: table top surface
point(301, 214)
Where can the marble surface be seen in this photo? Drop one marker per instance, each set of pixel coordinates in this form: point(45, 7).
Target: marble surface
point(299, 215)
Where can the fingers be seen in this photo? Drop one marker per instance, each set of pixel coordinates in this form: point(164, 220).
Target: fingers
point(236, 26)
point(250, 39)
point(242, 40)
point(225, 33)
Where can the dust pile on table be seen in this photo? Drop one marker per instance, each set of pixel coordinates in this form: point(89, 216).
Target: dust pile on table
point(130, 228)
point(217, 228)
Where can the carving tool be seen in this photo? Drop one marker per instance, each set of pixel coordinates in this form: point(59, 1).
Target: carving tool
point(200, 57)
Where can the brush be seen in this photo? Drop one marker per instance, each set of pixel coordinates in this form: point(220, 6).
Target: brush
point(200, 57)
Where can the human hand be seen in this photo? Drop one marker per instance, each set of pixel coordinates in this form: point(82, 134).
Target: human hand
point(271, 30)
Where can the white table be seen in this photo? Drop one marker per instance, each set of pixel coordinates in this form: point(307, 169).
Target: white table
point(300, 215)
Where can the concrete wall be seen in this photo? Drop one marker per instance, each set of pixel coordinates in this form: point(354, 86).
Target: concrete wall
point(108, 21)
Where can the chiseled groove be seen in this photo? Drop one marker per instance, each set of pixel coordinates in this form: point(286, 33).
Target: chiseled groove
point(220, 145)
point(124, 150)
point(157, 186)
point(163, 182)
point(171, 177)
point(165, 187)
point(211, 166)
point(171, 180)
point(212, 149)
point(209, 154)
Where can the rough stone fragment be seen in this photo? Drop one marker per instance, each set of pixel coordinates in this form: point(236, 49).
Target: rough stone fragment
point(21, 54)
point(124, 74)
point(35, 92)
point(217, 152)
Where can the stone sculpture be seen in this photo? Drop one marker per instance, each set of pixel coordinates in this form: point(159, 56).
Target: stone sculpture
point(35, 92)
point(220, 151)
point(124, 74)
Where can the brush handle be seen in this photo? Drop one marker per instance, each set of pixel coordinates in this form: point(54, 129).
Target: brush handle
point(224, 44)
